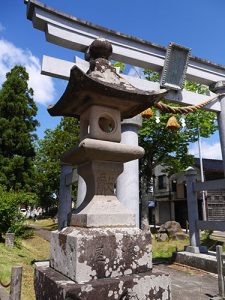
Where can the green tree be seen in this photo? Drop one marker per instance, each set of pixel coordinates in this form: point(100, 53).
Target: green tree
point(11, 220)
point(167, 147)
point(50, 149)
point(17, 131)
point(118, 64)
point(170, 147)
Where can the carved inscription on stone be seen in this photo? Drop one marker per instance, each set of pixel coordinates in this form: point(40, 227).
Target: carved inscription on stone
point(99, 254)
point(105, 184)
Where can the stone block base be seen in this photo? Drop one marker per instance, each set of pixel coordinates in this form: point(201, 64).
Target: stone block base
point(85, 254)
point(52, 285)
point(193, 249)
point(206, 262)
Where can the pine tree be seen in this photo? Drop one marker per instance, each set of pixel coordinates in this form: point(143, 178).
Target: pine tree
point(17, 131)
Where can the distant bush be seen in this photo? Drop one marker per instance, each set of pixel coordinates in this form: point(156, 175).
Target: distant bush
point(11, 220)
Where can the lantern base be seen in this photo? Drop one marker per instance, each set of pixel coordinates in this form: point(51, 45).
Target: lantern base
point(52, 285)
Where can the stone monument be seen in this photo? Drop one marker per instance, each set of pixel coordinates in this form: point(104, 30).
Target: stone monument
point(102, 254)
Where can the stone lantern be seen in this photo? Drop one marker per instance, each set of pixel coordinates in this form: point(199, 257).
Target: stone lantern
point(102, 254)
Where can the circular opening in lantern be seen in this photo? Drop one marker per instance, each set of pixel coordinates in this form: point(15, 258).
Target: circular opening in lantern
point(107, 124)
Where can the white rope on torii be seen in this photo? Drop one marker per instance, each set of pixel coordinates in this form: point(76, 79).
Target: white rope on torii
point(179, 109)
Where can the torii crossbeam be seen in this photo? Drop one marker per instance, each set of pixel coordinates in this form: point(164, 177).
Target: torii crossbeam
point(75, 34)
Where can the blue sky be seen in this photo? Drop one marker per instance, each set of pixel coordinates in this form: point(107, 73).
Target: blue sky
point(195, 24)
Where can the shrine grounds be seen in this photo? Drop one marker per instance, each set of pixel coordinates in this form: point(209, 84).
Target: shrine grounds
point(187, 283)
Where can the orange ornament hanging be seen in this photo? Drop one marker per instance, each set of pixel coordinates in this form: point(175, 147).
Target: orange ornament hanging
point(172, 123)
point(147, 114)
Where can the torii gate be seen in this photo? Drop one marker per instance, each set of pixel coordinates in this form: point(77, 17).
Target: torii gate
point(75, 34)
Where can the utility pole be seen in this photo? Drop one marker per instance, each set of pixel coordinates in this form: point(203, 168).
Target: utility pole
point(202, 175)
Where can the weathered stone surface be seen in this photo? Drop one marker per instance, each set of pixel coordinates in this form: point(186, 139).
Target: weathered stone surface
point(51, 285)
point(103, 211)
point(9, 239)
point(201, 261)
point(91, 149)
point(180, 236)
point(172, 229)
point(85, 254)
point(99, 122)
point(100, 206)
point(101, 85)
point(162, 237)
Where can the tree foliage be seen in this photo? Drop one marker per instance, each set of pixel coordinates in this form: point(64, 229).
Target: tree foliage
point(50, 149)
point(17, 131)
point(11, 220)
point(119, 65)
point(168, 147)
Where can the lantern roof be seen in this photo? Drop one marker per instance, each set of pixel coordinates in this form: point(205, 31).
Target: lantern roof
point(101, 85)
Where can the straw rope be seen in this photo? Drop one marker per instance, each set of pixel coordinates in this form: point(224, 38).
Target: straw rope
point(185, 109)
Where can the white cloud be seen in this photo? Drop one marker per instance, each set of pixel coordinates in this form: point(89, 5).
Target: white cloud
point(10, 55)
point(212, 151)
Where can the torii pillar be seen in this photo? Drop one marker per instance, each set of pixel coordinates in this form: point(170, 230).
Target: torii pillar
point(219, 88)
point(128, 182)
